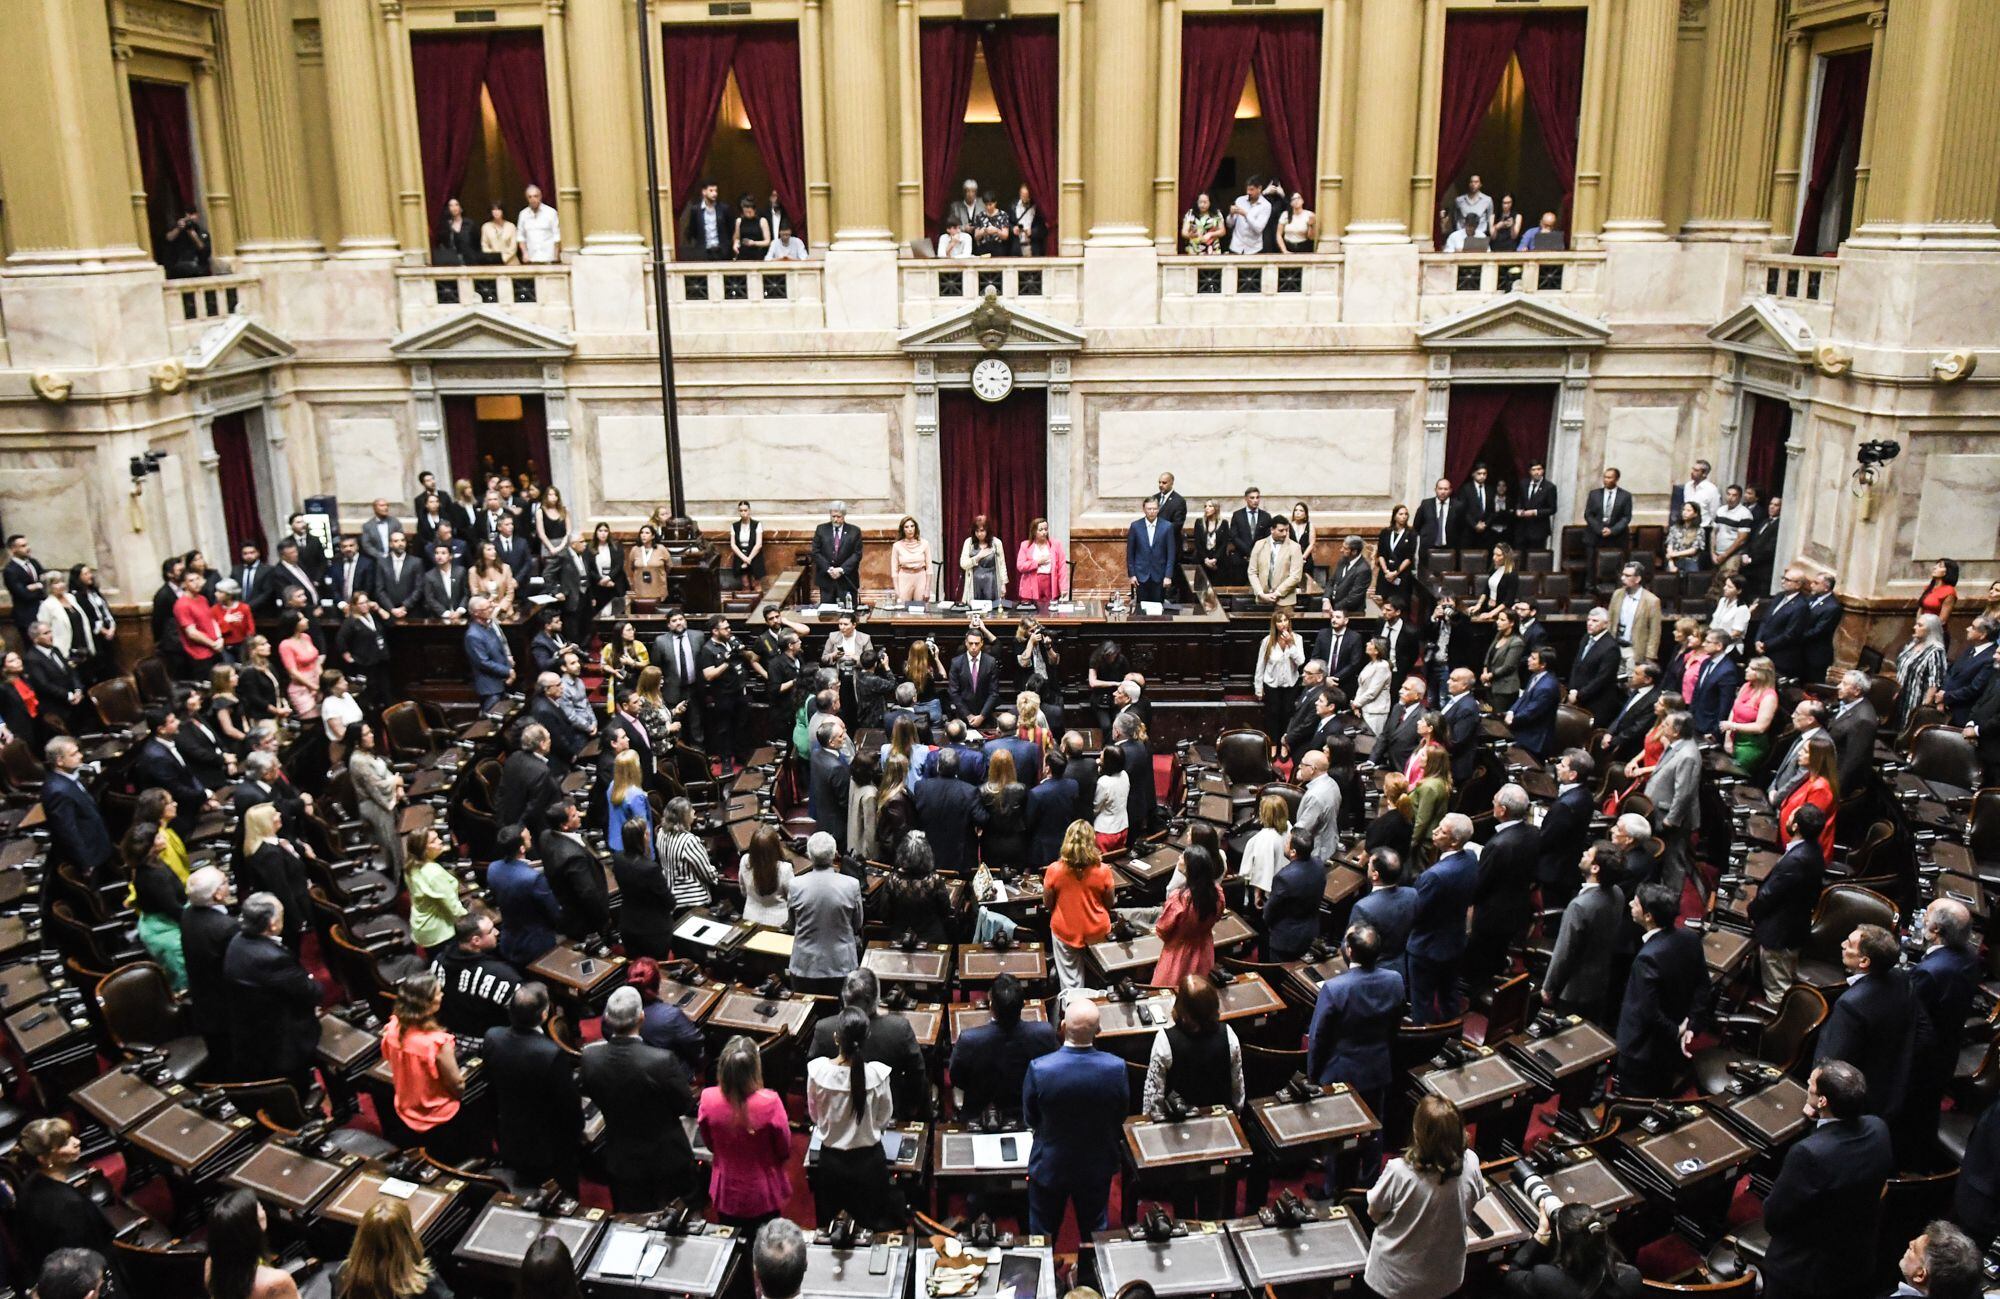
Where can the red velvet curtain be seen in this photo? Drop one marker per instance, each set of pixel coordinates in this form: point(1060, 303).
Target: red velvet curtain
point(1023, 60)
point(1287, 65)
point(944, 67)
point(1843, 99)
point(461, 435)
point(1550, 49)
point(166, 152)
point(993, 460)
point(240, 515)
point(1215, 59)
point(767, 72)
point(1477, 48)
point(695, 61)
point(1770, 426)
point(1517, 415)
point(517, 78)
point(535, 435)
point(448, 71)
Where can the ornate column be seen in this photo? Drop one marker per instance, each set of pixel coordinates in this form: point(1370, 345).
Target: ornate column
point(1059, 447)
point(1167, 133)
point(607, 151)
point(1796, 485)
point(1331, 203)
point(1791, 134)
point(555, 63)
point(1927, 96)
point(1385, 123)
point(412, 217)
point(1437, 414)
point(555, 409)
point(924, 473)
point(909, 125)
point(210, 519)
point(1069, 159)
point(214, 159)
point(121, 63)
point(857, 124)
point(1734, 147)
point(1119, 86)
point(432, 454)
point(812, 91)
point(1566, 449)
point(261, 81)
point(1587, 209)
point(1645, 119)
point(1424, 182)
point(1863, 158)
point(273, 414)
point(354, 102)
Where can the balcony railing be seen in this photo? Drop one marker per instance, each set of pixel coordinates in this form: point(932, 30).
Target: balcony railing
point(536, 294)
point(195, 304)
point(1047, 286)
point(735, 296)
point(1454, 282)
point(1289, 290)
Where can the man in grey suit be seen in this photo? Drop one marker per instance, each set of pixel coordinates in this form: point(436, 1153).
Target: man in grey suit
point(826, 921)
point(1319, 805)
point(1853, 726)
point(1579, 980)
point(1808, 722)
point(375, 533)
point(1673, 788)
point(965, 207)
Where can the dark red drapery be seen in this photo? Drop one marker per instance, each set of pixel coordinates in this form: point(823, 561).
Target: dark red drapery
point(240, 515)
point(1215, 59)
point(944, 54)
point(1550, 49)
point(993, 460)
point(1770, 426)
point(695, 67)
point(1477, 48)
point(767, 72)
point(1023, 60)
point(461, 435)
point(518, 81)
point(166, 151)
point(1517, 415)
point(1287, 65)
point(448, 71)
point(1843, 100)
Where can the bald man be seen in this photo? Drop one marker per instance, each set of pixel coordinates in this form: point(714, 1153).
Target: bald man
point(1075, 1102)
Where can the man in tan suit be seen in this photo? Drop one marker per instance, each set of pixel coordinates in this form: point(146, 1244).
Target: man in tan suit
point(1277, 568)
point(1635, 616)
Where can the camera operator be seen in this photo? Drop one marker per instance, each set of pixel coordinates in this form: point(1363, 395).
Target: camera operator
point(723, 661)
point(1035, 652)
point(1571, 1255)
point(873, 684)
point(188, 247)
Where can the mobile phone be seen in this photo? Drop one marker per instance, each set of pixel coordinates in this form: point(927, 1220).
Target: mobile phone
point(587, 967)
point(1146, 1015)
point(36, 1021)
point(1009, 1148)
point(878, 1259)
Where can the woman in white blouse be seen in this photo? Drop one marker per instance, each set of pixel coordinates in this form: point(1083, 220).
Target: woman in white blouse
point(1280, 657)
point(1108, 814)
point(337, 712)
point(1264, 855)
point(66, 618)
point(766, 878)
point(1732, 612)
point(851, 1105)
point(1371, 691)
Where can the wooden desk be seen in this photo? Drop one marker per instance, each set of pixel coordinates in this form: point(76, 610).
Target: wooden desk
point(1568, 1062)
point(21, 984)
point(1336, 1115)
point(738, 1008)
point(1209, 1138)
point(1248, 997)
point(979, 963)
point(189, 1141)
point(1586, 1179)
point(587, 978)
point(1202, 1262)
point(434, 1207)
point(965, 1015)
point(1493, 1225)
point(121, 1100)
point(1331, 1248)
point(1770, 1116)
point(346, 1050)
point(926, 965)
point(691, 999)
point(1493, 1094)
point(1699, 1151)
point(1128, 1019)
point(41, 1029)
point(630, 1262)
point(959, 1152)
point(1725, 950)
point(282, 1176)
point(926, 1021)
point(501, 1236)
point(1302, 978)
point(1015, 1262)
point(843, 1273)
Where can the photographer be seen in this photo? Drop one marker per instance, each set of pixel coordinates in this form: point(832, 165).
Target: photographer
point(188, 247)
point(1035, 653)
point(723, 661)
point(1570, 1257)
point(873, 684)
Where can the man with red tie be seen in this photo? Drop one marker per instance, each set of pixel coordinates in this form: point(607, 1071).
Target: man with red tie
point(836, 557)
point(975, 680)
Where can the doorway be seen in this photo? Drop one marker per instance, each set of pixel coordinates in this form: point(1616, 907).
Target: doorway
point(1503, 426)
point(242, 476)
point(992, 460)
point(501, 433)
point(1770, 429)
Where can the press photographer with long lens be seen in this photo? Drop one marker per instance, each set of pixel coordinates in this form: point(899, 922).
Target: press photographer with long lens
point(1570, 1256)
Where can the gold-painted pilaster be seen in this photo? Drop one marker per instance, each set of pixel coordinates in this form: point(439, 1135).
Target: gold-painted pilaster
point(135, 171)
point(858, 124)
point(220, 204)
point(909, 125)
point(1791, 135)
point(1120, 88)
point(1941, 182)
point(812, 83)
point(1385, 122)
point(607, 151)
point(1331, 201)
point(1734, 144)
point(1599, 70)
point(1167, 132)
point(1425, 183)
point(1863, 158)
point(1069, 161)
point(1645, 120)
point(354, 100)
point(555, 62)
point(400, 114)
point(261, 82)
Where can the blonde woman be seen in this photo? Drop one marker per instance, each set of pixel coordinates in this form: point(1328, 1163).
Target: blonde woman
point(551, 522)
point(1430, 799)
point(491, 577)
point(910, 562)
point(626, 801)
point(1751, 722)
point(270, 864)
point(1030, 724)
point(1280, 657)
point(1265, 854)
point(1077, 890)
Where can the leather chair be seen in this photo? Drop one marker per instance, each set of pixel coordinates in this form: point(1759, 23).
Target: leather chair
point(360, 971)
point(1508, 1009)
point(1909, 1202)
point(382, 934)
point(1267, 1068)
point(1291, 794)
point(278, 1108)
point(1943, 767)
point(140, 1015)
point(154, 682)
point(1786, 1041)
point(117, 704)
point(174, 1268)
point(1840, 909)
point(23, 770)
point(352, 888)
point(1244, 756)
point(100, 947)
point(408, 737)
point(1573, 728)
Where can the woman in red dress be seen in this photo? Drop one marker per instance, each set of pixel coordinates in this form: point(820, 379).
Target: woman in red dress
point(1821, 788)
point(1186, 927)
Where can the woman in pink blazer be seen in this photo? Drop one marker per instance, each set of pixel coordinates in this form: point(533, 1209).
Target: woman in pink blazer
point(1042, 565)
point(744, 1125)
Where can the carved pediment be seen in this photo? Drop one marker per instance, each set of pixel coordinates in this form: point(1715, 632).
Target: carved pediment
point(481, 333)
point(991, 324)
point(1516, 322)
point(232, 346)
point(1767, 329)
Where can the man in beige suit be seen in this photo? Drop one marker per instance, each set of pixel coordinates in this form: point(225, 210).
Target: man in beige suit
point(1635, 616)
point(1277, 568)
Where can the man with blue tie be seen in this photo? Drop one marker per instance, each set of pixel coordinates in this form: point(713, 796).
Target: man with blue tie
point(1533, 717)
point(1437, 939)
point(1965, 677)
point(487, 655)
point(77, 832)
point(1075, 1102)
point(1715, 685)
point(1149, 553)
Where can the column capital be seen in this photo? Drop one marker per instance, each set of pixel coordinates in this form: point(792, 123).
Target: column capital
point(121, 52)
point(204, 67)
point(1798, 35)
point(392, 9)
point(1879, 18)
point(555, 7)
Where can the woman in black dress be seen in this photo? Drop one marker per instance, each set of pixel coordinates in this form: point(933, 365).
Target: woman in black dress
point(1003, 800)
point(1211, 544)
point(606, 566)
point(457, 241)
point(103, 627)
point(257, 686)
point(1108, 667)
point(53, 1213)
point(1396, 559)
point(914, 900)
point(746, 548)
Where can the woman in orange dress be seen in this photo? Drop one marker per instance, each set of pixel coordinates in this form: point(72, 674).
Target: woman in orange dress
point(1821, 788)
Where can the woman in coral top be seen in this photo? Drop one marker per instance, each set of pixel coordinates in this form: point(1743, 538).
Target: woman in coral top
point(1187, 923)
point(910, 563)
point(1042, 565)
point(1821, 788)
point(1078, 890)
point(423, 1060)
point(744, 1124)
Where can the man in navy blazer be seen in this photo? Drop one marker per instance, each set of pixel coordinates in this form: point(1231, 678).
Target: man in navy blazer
point(1781, 635)
point(1437, 939)
point(1340, 647)
point(836, 557)
point(76, 824)
point(1874, 1023)
point(1824, 1210)
point(486, 652)
point(1945, 982)
point(1149, 553)
point(974, 680)
point(1461, 716)
point(1666, 980)
point(1051, 807)
point(1354, 1020)
point(989, 1063)
point(1533, 716)
point(1965, 676)
point(1566, 829)
point(1781, 913)
point(1027, 755)
point(1821, 621)
point(1074, 1101)
point(1715, 686)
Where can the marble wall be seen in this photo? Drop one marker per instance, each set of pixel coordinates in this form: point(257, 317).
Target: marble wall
point(1958, 508)
point(369, 457)
point(1326, 454)
point(48, 497)
point(1642, 443)
point(798, 458)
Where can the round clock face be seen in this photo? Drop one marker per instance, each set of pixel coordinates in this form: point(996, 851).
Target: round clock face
point(992, 379)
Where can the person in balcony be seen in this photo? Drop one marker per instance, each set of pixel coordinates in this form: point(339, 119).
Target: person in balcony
point(1201, 228)
point(965, 207)
point(992, 229)
point(499, 239)
point(455, 243)
point(1508, 225)
point(188, 247)
point(787, 247)
point(751, 241)
point(1544, 237)
point(956, 241)
point(541, 230)
point(1248, 217)
point(1298, 228)
point(1029, 228)
point(1468, 229)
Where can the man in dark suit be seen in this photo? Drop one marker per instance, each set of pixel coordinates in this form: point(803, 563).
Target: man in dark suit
point(1347, 584)
point(529, 912)
point(398, 579)
point(1506, 875)
point(1822, 620)
point(252, 575)
point(1437, 939)
point(527, 785)
point(1051, 807)
point(1853, 727)
point(1760, 552)
point(706, 227)
point(971, 757)
point(1074, 1100)
point(1476, 513)
point(363, 651)
point(725, 695)
point(1173, 512)
point(1340, 649)
point(1248, 525)
point(1149, 553)
point(945, 810)
point(575, 875)
point(1533, 716)
point(1965, 676)
point(513, 549)
point(1781, 634)
point(566, 738)
point(831, 786)
point(642, 740)
point(442, 591)
point(1945, 983)
point(1781, 913)
point(990, 1062)
point(540, 1119)
point(274, 1003)
point(57, 685)
point(1607, 517)
point(1824, 1211)
point(23, 575)
point(643, 1093)
point(1874, 1023)
point(159, 765)
point(1401, 638)
point(1628, 726)
point(349, 573)
point(1440, 521)
point(1399, 731)
point(1026, 754)
point(311, 554)
point(1580, 973)
point(1565, 828)
point(1142, 800)
point(1593, 681)
point(1666, 980)
point(489, 662)
point(1459, 711)
point(836, 558)
point(1715, 686)
point(206, 928)
point(1305, 719)
point(677, 654)
point(1354, 1019)
point(974, 680)
point(891, 1041)
point(1083, 770)
point(1534, 509)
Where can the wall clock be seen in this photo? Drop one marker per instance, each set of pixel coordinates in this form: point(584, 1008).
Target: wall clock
point(992, 379)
